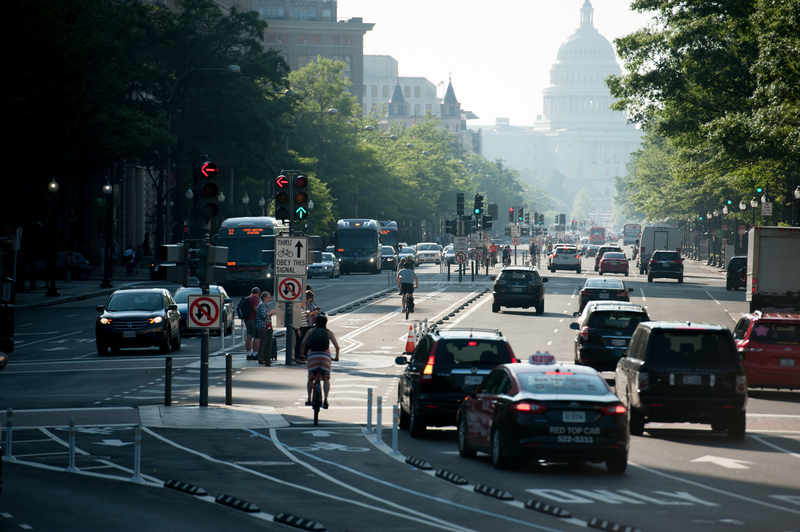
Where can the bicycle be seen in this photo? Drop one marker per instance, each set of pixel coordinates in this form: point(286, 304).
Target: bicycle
point(409, 304)
point(316, 395)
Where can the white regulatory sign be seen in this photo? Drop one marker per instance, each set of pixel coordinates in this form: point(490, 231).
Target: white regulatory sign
point(516, 231)
point(460, 244)
point(291, 256)
point(204, 311)
point(291, 289)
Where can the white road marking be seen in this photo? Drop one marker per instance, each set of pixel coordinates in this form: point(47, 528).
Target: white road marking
point(712, 297)
point(642, 291)
point(790, 453)
point(729, 463)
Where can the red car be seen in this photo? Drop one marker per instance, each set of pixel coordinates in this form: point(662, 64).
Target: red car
point(613, 262)
point(769, 348)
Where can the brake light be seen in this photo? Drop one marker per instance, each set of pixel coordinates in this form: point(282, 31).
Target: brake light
point(427, 373)
point(584, 292)
point(653, 261)
point(472, 343)
point(558, 373)
point(577, 256)
point(644, 381)
point(528, 408)
point(744, 346)
point(622, 294)
point(585, 334)
point(754, 284)
point(741, 384)
point(614, 410)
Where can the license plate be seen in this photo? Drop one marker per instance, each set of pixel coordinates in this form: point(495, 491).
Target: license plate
point(517, 288)
point(603, 295)
point(788, 362)
point(618, 342)
point(129, 334)
point(473, 379)
point(571, 416)
point(692, 379)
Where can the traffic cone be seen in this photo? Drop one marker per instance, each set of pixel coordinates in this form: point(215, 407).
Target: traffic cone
point(410, 341)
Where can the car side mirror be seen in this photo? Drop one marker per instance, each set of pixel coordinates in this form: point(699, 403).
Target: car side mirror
point(228, 300)
point(576, 314)
point(574, 325)
point(544, 279)
point(100, 308)
point(172, 307)
point(630, 289)
point(492, 277)
point(401, 360)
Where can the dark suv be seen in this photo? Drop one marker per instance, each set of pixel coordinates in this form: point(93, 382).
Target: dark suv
point(667, 264)
point(736, 276)
point(444, 368)
point(519, 286)
point(600, 253)
point(681, 372)
point(605, 329)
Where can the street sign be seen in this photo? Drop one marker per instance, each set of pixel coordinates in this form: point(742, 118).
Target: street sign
point(515, 241)
point(766, 208)
point(479, 236)
point(516, 231)
point(291, 289)
point(460, 244)
point(204, 311)
point(461, 257)
point(742, 229)
point(291, 256)
point(487, 238)
point(477, 254)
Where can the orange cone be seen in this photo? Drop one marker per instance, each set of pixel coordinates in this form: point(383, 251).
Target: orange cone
point(410, 341)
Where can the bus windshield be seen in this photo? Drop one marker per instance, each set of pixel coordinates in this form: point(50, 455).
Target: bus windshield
point(356, 240)
point(244, 250)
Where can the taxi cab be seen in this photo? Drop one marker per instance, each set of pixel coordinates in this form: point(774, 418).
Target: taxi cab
point(547, 411)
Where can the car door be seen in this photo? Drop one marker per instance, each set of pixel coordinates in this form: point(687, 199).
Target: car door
point(487, 405)
point(476, 431)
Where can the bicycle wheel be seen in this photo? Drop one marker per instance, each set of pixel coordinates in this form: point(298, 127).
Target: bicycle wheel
point(316, 400)
point(407, 302)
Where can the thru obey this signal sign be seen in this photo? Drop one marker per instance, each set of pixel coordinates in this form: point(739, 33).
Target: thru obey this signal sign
point(291, 289)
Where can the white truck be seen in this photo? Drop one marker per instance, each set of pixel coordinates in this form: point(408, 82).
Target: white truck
point(773, 268)
point(654, 237)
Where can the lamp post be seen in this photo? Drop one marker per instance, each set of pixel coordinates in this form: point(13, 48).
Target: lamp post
point(108, 190)
point(797, 206)
point(710, 218)
point(331, 111)
point(262, 203)
point(52, 291)
point(742, 207)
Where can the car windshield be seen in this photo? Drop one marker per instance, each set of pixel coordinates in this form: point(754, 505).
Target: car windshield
point(428, 247)
point(572, 384)
point(469, 350)
point(621, 321)
point(407, 251)
point(327, 257)
point(133, 301)
point(182, 295)
point(692, 348)
point(737, 264)
point(776, 333)
point(611, 284)
point(387, 250)
point(512, 275)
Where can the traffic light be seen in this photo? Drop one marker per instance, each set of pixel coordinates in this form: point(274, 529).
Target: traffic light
point(493, 210)
point(450, 227)
point(759, 189)
point(459, 204)
point(556, 219)
point(209, 269)
point(469, 226)
point(527, 218)
point(487, 222)
point(520, 215)
point(535, 217)
point(541, 219)
point(478, 209)
point(206, 190)
point(300, 198)
point(283, 205)
point(511, 214)
point(562, 219)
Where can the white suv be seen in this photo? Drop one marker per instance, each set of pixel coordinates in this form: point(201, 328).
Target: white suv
point(429, 252)
point(565, 258)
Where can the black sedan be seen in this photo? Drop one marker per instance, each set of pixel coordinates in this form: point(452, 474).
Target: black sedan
point(182, 300)
point(389, 258)
point(141, 317)
point(545, 411)
point(596, 289)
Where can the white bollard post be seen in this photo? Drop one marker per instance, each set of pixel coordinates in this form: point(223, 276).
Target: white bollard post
point(9, 429)
point(378, 426)
point(369, 411)
point(71, 467)
point(394, 452)
point(137, 456)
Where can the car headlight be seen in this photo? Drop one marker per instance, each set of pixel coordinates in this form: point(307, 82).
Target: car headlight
point(157, 319)
point(105, 321)
point(372, 260)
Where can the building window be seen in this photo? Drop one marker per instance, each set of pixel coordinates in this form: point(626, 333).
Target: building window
point(271, 38)
point(416, 91)
point(374, 92)
point(327, 14)
point(346, 40)
point(386, 91)
point(365, 91)
point(303, 14)
point(283, 38)
point(336, 40)
point(428, 108)
point(302, 38)
point(272, 13)
point(407, 91)
point(346, 59)
point(314, 39)
point(416, 109)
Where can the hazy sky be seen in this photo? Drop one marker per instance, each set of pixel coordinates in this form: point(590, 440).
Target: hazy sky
point(499, 53)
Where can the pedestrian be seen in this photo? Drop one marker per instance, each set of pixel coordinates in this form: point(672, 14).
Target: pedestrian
point(264, 329)
point(311, 313)
point(130, 260)
point(250, 324)
point(69, 260)
point(138, 262)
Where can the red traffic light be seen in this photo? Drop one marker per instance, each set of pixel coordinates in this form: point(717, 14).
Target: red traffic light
point(209, 169)
point(511, 209)
point(282, 181)
point(301, 181)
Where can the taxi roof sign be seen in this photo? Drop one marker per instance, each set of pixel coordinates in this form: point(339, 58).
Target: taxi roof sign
point(542, 359)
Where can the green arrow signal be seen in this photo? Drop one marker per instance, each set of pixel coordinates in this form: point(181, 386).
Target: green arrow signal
point(301, 211)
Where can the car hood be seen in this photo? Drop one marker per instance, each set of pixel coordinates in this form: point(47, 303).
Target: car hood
point(132, 314)
point(321, 264)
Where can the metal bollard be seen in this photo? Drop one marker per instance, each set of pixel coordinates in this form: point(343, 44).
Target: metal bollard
point(369, 411)
point(71, 467)
point(395, 418)
point(137, 456)
point(168, 383)
point(228, 379)
point(378, 425)
point(425, 326)
point(9, 457)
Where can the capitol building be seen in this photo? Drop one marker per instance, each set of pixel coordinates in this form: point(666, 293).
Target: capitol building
point(577, 136)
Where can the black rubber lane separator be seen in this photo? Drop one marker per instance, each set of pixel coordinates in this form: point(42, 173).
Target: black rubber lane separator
point(602, 524)
point(238, 504)
point(439, 322)
point(451, 477)
point(185, 488)
point(539, 506)
point(494, 492)
point(298, 522)
point(418, 463)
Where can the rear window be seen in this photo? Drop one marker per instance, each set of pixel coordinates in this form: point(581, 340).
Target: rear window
point(621, 321)
point(691, 348)
point(776, 333)
point(737, 264)
point(516, 276)
point(468, 351)
point(541, 383)
point(567, 251)
point(611, 284)
point(613, 255)
point(666, 255)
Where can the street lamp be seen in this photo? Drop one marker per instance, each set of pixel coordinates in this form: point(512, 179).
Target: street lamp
point(52, 291)
point(754, 204)
point(245, 201)
point(390, 137)
point(797, 206)
point(262, 203)
point(108, 190)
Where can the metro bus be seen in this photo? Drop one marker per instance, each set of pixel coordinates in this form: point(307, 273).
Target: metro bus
point(358, 245)
point(389, 233)
point(251, 252)
point(630, 233)
point(597, 235)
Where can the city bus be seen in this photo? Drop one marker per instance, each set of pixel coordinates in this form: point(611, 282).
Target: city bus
point(630, 233)
point(358, 245)
point(597, 235)
point(389, 233)
point(251, 252)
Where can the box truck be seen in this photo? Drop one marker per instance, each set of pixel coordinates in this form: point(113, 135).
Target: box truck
point(654, 237)
point(773, 268)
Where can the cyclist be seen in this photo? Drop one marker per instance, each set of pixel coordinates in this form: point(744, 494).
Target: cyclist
point(407, 280)
point(318, 339)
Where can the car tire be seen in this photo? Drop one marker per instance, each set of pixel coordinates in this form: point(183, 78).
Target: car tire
point(737, 427)
point(680, 279)
point(464, 450)
point(84, 276)
point(102, 349)
point(495, 307)
point(599, 273)
point(579, 271)
point(499, 456)
point(416, 425)
point(635, 421)
point(405, 419)
point(540, 309)
point(617, 466)
point(165, 345)
point(649, 278)
point(175, 344)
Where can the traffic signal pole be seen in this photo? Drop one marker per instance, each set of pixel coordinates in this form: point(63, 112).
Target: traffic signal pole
point(204, 334)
